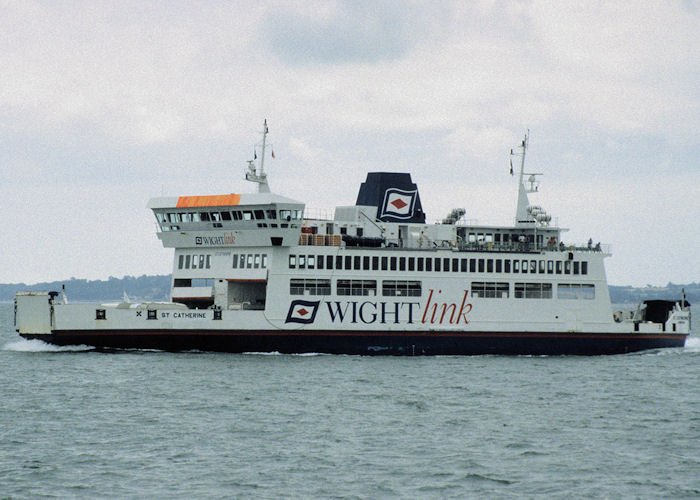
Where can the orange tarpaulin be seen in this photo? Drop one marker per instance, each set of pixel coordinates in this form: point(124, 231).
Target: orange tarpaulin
point(217, 200)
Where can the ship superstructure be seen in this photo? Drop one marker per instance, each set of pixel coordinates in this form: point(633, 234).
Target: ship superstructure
point(253, 272)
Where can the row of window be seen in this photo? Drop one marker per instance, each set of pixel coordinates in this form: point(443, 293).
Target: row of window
point(390, 288)
point(225, 215)
point(250, 261)
point(405, 288)
point(438, 264)
point(196, 261)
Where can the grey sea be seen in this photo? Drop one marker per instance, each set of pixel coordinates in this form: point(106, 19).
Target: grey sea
point(76, 423)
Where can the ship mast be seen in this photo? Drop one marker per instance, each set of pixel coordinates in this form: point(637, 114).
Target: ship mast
point(258, 175)
point(525, 215)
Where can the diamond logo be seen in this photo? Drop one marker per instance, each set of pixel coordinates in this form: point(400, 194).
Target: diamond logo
point(398, 203)
point(302, 311)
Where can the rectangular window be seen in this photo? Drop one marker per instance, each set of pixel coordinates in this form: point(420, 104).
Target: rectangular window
point(411, 263)
point(264, 261)
point(533, 290)
point(567, 267)
point(428, 264)
point(559, 267)
point(523, 266)
point(516, 266)
point(311, 261)
point(309, 287)
point(319, 262)
point(584, 267)
point(375, 263)
point(102, 314)
point(329, 262)
point(302, 262)
point(365, 263)
point(490, 290)
point(237, 215)
point(249, 262)
point(259, 214)
point(506, 266)
point(235, 260)
point(463, 265)
point(292, 262)
point(533, 266)
point(420, 263)
point(499, 265)
point(400, 288)
point(152, 314)
point(187, 261)
point(356, 262)
point(489, 265)
point(208, 265)
point(348, 262)
point(550, 267)
point(446, 265)
point(392, 263)
point(575, 291)
point(180, 261)
point(541, 269)
point(338, 262)
point(481, 265)
point(357, 287)
point(195, 259)
point(385, 263)
point(402, 263)
point(436, 264)
point(472, 265)
point(225, 215)
point(576, 267)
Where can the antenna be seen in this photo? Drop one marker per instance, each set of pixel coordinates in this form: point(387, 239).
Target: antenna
point(258, 175)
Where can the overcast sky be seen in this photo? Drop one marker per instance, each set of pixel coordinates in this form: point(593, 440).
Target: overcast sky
point(106, 104)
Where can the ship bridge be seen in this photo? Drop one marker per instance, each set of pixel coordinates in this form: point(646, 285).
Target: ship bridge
point(243, 220)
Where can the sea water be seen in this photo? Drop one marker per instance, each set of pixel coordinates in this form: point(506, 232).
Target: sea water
point(76, 423)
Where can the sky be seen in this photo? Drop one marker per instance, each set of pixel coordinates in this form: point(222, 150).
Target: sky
point(104, 105)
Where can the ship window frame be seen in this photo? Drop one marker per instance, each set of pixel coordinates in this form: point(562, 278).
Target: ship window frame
point(567, 267)
point(402, 263)
point(365, 263)
point(339, 262)
point(180, 261)
point(385, 263)
point(348, 262)
point(472, 265)
point(314, 286)
point(402, 288)
point(301, 262)
point(100, 314)
point(151, 314)
point(437, 265)
point(329, 261)
point(429, 264)
point(419, 264)
point(463, 265)
point(499, 265)
point(584, 267)
point(263, 261)
point(506, 266)
point(225, 215)
point(577, 267)
point(481, 265)
point(411, 263)
point(490, 289)
point(356, 288)
point(489, 265)
point(392, 263)
point(357, 263)
point(375, 263)
point(292, 261)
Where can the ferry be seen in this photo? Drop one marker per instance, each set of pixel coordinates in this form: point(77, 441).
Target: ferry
point(255, 273)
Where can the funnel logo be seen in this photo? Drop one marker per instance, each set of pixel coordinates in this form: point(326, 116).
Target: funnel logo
point(302, 311)
point(398, 203)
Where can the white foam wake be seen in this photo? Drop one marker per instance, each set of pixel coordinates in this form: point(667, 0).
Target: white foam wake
point(692, 344)
point(36, 345)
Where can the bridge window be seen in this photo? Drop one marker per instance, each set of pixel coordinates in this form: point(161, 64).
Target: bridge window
point(100, 314)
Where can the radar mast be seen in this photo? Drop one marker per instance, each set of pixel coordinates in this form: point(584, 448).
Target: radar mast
point(257, 174)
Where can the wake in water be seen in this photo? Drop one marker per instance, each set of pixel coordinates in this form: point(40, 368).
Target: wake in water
point(692, 344)
point(36, 345)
